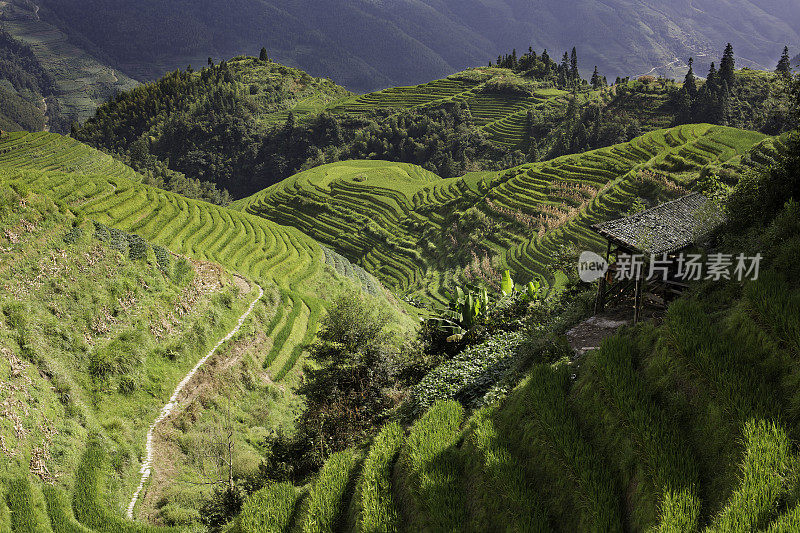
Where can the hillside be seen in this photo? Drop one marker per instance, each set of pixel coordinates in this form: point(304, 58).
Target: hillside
point(366, 45)
point(683, 423)
point(110, 316)
point(77, 82)
point(420, 236)
point(246, 124)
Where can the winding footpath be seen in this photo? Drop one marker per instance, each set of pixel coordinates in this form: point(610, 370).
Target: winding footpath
point(173, 403)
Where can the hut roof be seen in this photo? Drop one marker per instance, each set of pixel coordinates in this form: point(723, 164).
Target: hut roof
point(666, 228)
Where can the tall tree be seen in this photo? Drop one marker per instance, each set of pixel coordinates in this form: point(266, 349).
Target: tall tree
point(690, 83)
point(727, 66)
point(573, 63)
point(263, 56)
point(597, 81)
point(785, 64)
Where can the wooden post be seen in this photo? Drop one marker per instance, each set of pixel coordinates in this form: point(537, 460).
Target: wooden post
point(637, 299)
point(600, 302)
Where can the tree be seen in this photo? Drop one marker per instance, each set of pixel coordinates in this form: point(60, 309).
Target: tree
point(690, 83)
point(573, 62)
point(727, 66)
point(597, 81)
point(785, 64)
point(263, 56)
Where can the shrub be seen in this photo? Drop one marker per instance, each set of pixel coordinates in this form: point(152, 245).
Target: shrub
point(73, 235)
point(137, 247)
point(183, 272)
point(468, 375)
point(162, 258)
point(760, 195)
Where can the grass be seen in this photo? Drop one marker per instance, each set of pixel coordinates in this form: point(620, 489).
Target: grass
point(500, 494)
point(27, 507)
point(88, 498)
point(59, 509)
point(432, 467)
point(768, 472)
point(667, 466)
point(376, 508)
point(327, 501)
point(270, 510)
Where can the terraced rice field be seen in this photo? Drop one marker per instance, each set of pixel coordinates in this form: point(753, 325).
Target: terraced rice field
point(377, 214)
point(42, 151)
point(104, 191)
point(83, 83)
point(501, 116)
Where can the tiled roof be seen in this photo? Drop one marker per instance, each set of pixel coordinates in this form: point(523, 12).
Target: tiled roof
point(666, 228)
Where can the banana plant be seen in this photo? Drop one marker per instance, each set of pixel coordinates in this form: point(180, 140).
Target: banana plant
point(470, 305)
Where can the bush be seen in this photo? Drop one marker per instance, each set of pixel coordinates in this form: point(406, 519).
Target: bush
point(137, 247)
point(468, 375)
point(73, 235)
point(760, 195)
point(162, 258)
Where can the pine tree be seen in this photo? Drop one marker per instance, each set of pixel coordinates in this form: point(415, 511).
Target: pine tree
point(596, 80)
point(573, 63)
point(785, 64)
point(711, 79)
point(727, 66)
point(263, 56)
point(690, 83)
point(514, 59)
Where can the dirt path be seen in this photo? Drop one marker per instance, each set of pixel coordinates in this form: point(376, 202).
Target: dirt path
point(46, 118)
point(147, 465)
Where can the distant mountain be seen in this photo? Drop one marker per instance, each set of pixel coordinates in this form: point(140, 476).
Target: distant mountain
point(369, 44)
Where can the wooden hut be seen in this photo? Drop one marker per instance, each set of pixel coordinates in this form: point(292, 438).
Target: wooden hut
point(667, 229)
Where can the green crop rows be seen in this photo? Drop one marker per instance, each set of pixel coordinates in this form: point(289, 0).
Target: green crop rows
point(376, 213)
point(101, 187)
point(502, 116)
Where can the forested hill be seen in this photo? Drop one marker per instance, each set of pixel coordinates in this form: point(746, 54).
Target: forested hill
point(365, 45)
point(247, 123)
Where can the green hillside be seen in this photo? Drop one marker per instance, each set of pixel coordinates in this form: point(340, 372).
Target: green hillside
point(78, 331)
point(419, 239)
point(498, 99)
point(79, 82)
point(686, 423)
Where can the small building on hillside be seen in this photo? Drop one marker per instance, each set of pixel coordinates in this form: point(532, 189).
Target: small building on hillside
point(652, 242)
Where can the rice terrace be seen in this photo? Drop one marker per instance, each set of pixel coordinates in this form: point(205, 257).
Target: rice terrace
point(393, 274)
